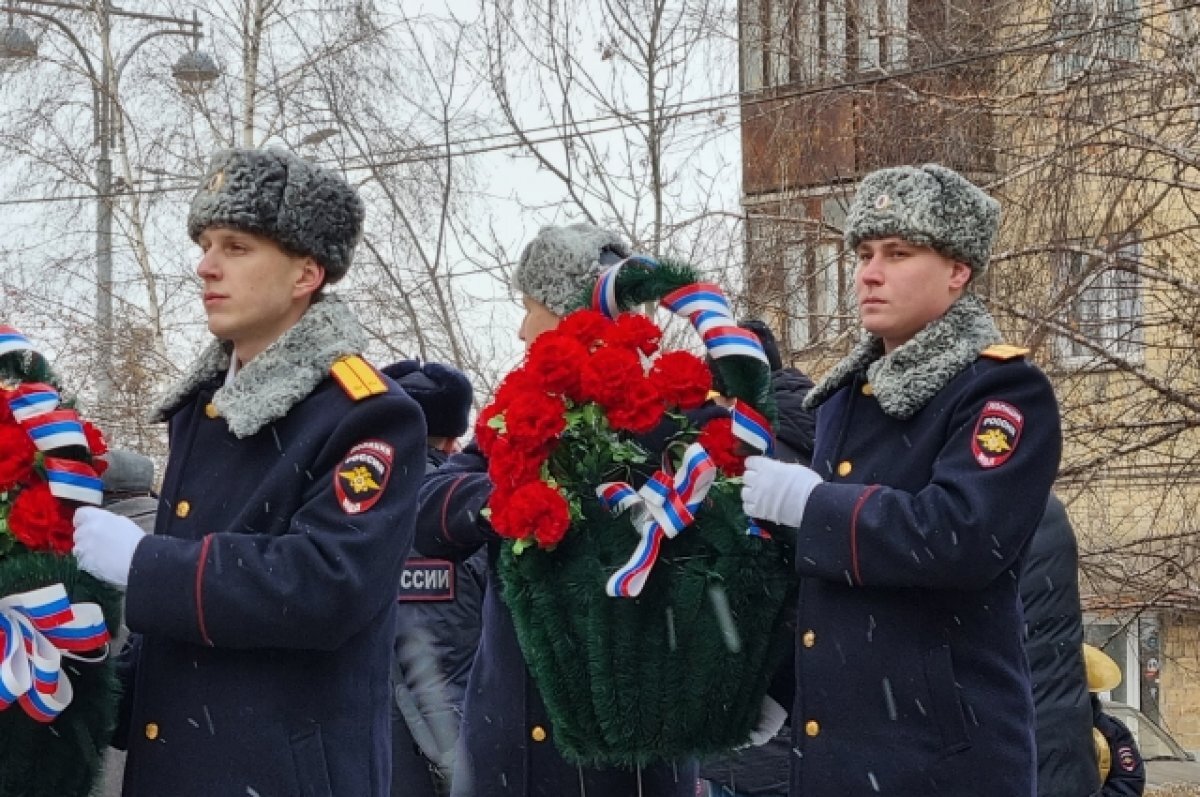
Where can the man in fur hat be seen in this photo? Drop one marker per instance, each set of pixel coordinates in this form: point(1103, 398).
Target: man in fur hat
point(263, 608)
point(935, 452)
point(506, 748)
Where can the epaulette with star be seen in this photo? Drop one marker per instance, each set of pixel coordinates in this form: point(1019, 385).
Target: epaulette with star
point(358, 377)
point(1003, 352)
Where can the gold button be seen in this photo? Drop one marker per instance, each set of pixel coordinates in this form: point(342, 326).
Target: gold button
point(844, 468)
point(211, 410)
point(809, 639)
point(151, 730)
point(182, 509)
point(538, 733)
point(812, 728)
point(867, 390)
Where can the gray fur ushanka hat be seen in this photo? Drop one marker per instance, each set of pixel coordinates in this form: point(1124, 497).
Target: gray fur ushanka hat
point(928, 205)
point(306, 209)
point(561, 264)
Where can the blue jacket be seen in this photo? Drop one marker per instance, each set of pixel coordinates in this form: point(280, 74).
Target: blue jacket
point(911, 677)
point(264, 604)
point(507, 748)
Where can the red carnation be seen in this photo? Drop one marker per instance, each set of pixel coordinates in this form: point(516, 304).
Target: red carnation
point(634, 331)
point(533, 419)
point(682, 379)
point(6, 416)
point(609, 375)
point(588, 327)
point(517, 382)
point(485, 435)
point(554, 361)
point(17, 452)
point(718, 440)
point(534, 508)
point(510, 466)
point(641, 410)
point(40, 522)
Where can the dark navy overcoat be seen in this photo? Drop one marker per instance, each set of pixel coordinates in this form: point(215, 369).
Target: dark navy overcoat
point(263, 607)
point(911, 678)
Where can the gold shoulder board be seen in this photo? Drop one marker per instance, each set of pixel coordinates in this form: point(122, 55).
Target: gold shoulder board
point(357, 377)
point(1003, 351)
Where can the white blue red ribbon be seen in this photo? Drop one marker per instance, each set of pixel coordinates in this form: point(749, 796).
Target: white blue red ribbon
point(37, 629)
point(32, 399)
point(71, 480)
point(752, 428)
point(11, 340)
point(604, 292)
point(663, 507)
point(57, 429)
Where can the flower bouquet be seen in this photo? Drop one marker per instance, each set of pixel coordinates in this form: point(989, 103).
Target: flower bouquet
point(58, 692)
point(647, 606)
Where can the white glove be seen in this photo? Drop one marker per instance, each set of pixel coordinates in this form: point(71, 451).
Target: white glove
point(104, 544)
point(777, 491)
point(771, 717)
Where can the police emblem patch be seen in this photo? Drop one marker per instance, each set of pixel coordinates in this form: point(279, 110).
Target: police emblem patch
point(362, 474)
point(996, 434)
point(1126, 759)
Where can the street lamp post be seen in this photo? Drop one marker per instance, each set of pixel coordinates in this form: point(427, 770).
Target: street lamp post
point(193, 71)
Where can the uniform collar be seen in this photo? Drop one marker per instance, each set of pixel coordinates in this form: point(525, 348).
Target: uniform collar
point(908, 378)
point(286, 372)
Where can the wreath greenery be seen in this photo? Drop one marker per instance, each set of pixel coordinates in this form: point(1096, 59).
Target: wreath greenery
point(642, 652)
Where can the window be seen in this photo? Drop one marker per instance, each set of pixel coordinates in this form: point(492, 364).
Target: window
point(820, 292)
point(1105, 305)
point(1133, 642)
point(810, 41)
point(1098, 35)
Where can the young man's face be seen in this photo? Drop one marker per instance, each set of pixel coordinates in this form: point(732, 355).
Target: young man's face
point(538, 319)
point(253, 290)
point(902, 287)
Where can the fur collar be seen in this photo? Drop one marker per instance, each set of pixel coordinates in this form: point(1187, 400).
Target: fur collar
point(905, 380)
point(286, 372)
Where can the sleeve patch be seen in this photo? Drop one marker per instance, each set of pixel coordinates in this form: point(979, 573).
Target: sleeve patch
point(357, 377)
point(362, 474)
point(1126, 758)
point(997, 433)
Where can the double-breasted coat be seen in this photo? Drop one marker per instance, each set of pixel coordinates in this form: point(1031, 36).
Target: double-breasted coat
point(911, 677)
point(263, 607)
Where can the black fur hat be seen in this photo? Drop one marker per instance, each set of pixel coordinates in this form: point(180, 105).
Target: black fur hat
point(443, 392)
point(305, 208)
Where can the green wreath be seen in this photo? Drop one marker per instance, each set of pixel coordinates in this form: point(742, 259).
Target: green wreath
point(680, 670)
point(58, 758)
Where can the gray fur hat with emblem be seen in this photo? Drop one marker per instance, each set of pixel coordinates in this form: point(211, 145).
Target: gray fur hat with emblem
point(928, 205)
point(305, 208)
point(561, 264)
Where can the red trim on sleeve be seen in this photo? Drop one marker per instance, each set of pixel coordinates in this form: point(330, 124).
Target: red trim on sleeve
point(446, 535)
point(204, 546)
point(858, 505)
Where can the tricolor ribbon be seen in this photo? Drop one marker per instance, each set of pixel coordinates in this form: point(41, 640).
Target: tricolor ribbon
point(32, 399)
point(37, 629)
point(57, 429)
point(663, 507)
point(71, 480)
point(11, 340)
point(604, 293)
